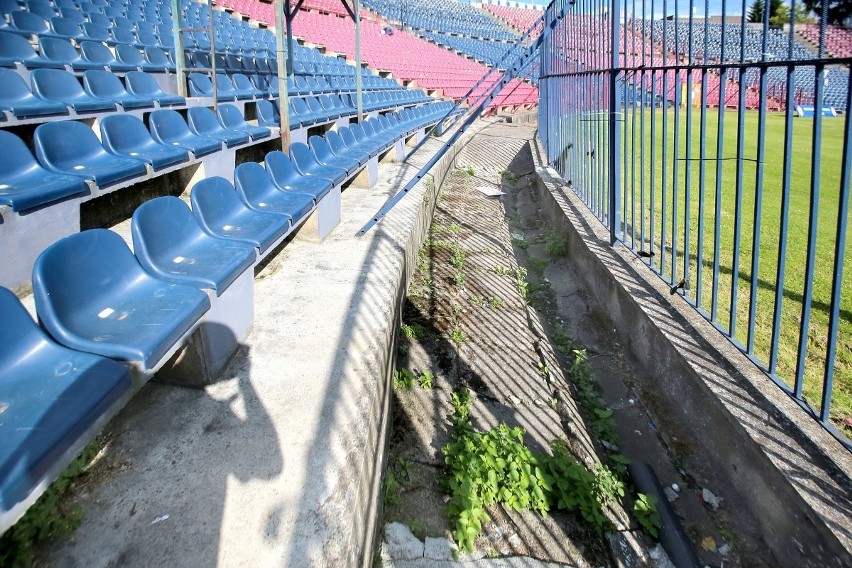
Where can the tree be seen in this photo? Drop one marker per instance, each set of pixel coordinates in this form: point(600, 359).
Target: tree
point(755, 13)
point(838, 10)
point(781, 15)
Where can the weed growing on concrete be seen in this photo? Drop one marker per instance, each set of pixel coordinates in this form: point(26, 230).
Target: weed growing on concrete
point(455, 228)
point(412, 331)
point(456, 308)
point(646, 514)
point(457, 256)
point(601, 421)
point(425, 380)
point(49, 517)
point(457, 336)
point(556, 244)
point(475, 301)
point(538, 265)
point(495, 302)
point(458, 278)
point(395, 478)
point(403, 379)
point(470, 171)
point(520, 242)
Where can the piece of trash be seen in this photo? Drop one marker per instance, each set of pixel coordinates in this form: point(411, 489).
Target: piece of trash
point(489, 191)
point(609, 446)
point(514, 400)
point(710, 499)
point(676, 487)
point(631, 401)
point(539, 402)
point(671, 494)
point(708, 543)
point(133, 510)
point(159, 519)
point(725, 549)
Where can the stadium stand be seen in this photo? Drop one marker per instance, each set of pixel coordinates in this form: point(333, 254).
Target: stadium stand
point(518, 18)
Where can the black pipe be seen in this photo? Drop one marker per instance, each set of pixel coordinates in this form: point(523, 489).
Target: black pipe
point(672, 536)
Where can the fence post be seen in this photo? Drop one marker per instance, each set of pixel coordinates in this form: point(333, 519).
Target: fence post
point(614, 130)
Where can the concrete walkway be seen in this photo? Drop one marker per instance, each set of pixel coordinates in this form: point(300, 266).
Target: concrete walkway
point(279, 463)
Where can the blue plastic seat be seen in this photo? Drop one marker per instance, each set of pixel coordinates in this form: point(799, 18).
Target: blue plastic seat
point(146, 39)
point(201, 85)
point(59, 86)
point(27, 24)
point(66, 28)
point(267, 114)
point(52, 397)
point(97, 32)
point(170, 245)
point(61, 50)
point(158, 60)
point(306, 163)
point(244, 86)
point(220, 213)
point(323, 154)
point(142, 84)
point(339, 147)
point(131, 55)
point(16, 97)
point(92, 295)
point(16, 49)
point(41, 9)
point(230, 117)
point(25, 183)
point(168, 127)
point(105, 85)
point(259, 192)
point(203, 122)
point(99, 54)
point(70, 147)
point(126, 135)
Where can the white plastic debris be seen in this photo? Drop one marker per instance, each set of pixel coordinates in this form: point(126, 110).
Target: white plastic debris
point(159, 519)
point(710, 499)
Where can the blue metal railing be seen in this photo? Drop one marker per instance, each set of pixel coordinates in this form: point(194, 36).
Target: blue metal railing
point(721, 154)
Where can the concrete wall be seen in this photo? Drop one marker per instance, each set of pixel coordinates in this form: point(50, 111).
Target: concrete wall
point(787, 478)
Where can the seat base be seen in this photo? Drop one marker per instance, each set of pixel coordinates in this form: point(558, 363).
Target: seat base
point(369, 174)
point(324, 219)
point(395, 154)
point(416, 138)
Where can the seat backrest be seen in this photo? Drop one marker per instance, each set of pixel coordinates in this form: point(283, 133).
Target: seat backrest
point(214, 199)
point(280, 167)
point(166, 124)
point(28, 22)
point(78, 272)
point(320, 148)
point(301, 156)
point(96, 32)
point(267, 113)
point(129, 54)
point(103, 84)
point(123, 133)
point(15, 47)
point(230, 116)
point(57, 49)
point(160, 226)
point(157, 56)
point(19, 334)
point(336, 143)
point(65, 27)
point(65, 142)
point(16, 158)
point(141, 83)
point(13, 87)
point(252, 180)
point(96, 52)
point(55, 84)
point(242, 82)
point(202, 119)
point(200, 85)
point(224, 84)
point(147, 39)
point(123, 36)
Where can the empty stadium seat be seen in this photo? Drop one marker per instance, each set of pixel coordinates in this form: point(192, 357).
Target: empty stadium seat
point(92, 295)
point(221, 213)
point(105, 85)
point(16, 97)
point(16, 49)
point(203, 122)
point(72, 148)
point(307, 164)
point(66, 28)
point(158, 60)
point(324, 156)
point(125, 135)
point(27, 24)
point(339, 147)
point(64, 87)
point(170, 245)
point(25, 184)
point(142, 84)
point(230, 117)
point(96, 52)
point(267, 113)
point(52, 397)
point(201, 85)
point(259, 192)
point(244, 87)
point(285, 176)
point(61, 50)
point(168, 127)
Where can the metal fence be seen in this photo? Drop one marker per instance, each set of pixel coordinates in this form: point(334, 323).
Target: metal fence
point(719, 152)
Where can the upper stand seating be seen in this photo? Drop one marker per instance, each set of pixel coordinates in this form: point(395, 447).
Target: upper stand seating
point(72, 148)
point(125, 135)
point(52, 397)
point(170, 245)
point(92, 295)
point(220, 212)
point(15, 96)
point(25, 183)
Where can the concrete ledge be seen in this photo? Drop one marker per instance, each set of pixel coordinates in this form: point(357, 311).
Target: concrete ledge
point(729, 425)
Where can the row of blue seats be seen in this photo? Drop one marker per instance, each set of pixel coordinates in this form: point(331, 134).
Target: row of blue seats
point(69, 154)
point(448, 16)
point(54, 92)
point(99, 304)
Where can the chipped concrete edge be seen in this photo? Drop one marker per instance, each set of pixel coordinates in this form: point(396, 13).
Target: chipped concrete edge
point(730, 425)
point(366, 535)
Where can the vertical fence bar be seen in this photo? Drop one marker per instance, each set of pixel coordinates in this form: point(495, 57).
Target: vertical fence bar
point(614, 129)
point(720, 154)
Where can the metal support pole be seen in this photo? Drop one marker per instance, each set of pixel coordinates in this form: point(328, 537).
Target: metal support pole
point(180, 56)
point(283, 97)
point(212, 37)
point(359, 94)
point(614, 130)
point(290, 14)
